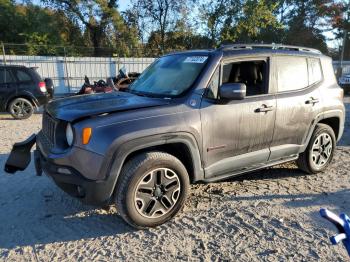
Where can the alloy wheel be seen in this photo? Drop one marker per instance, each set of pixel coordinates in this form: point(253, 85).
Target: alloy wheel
point(21, 108)
point(322, 150)
point(157, 192)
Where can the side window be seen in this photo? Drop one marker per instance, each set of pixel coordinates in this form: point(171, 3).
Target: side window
point(5, 76)
point(22, 76)
point(292, 73)
point(252, 73)
point(213, 86)
point(315, 71)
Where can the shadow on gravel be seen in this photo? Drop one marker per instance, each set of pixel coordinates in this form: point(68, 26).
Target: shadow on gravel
point(7, 116)
point(34, 211)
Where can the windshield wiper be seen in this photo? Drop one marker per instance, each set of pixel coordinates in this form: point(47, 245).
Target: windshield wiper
point(137, 93)
point(145, 94)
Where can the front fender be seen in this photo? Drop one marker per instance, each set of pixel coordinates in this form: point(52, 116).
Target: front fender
point(120, 150)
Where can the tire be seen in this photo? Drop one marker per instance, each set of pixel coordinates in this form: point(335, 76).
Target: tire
point(308, 160)
point(21, 108)
point(138, 187)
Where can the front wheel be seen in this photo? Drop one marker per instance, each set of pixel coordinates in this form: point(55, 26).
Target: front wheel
point(151, 189)
point(21, 108)
point(320, 150)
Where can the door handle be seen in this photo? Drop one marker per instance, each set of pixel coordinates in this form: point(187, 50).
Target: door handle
point(312, 101)
point(263, 109)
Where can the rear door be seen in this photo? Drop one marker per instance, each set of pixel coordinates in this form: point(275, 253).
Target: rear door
point(8, 87)
point(298, 103)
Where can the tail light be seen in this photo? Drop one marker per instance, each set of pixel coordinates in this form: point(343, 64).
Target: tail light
point(42, 87)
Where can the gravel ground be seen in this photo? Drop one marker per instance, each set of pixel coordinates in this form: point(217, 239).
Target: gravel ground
point(270, 215)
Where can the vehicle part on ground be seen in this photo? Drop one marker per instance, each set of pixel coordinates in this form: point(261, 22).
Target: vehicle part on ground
point(121, 82)
point(20, 155)
point(98, 87)
point(342, 223)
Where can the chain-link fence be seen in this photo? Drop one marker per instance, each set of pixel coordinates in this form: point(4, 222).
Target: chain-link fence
point(68, 70)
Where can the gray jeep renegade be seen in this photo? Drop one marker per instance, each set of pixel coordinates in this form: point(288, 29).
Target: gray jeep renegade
point(191, 116)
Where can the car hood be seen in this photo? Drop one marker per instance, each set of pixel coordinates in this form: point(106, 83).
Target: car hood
point(75, 107)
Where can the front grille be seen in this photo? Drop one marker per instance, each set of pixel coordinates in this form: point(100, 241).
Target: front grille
point(49, 127)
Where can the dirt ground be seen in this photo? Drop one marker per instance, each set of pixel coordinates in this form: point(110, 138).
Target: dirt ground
point(269, 215)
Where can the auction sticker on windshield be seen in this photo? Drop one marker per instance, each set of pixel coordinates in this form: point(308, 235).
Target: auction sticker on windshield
point(196, 59)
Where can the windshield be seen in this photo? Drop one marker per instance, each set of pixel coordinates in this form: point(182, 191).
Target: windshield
point(169, 75)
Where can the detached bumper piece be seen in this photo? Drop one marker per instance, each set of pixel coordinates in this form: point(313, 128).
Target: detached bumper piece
point(20, 155)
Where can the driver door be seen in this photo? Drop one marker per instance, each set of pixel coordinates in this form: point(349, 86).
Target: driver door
point(237, 134)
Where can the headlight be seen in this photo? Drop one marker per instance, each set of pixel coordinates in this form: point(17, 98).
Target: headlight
point(69, 134)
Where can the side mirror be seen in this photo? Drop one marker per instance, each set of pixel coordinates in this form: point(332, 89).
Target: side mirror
point(233, 91)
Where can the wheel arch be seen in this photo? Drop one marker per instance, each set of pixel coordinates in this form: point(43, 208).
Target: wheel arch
point(181, 145)
point(30, 98)
point(334, 123)
point(177, 149)
point(334, 118)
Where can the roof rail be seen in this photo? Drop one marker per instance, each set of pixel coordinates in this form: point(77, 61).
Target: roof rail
point(268, 46)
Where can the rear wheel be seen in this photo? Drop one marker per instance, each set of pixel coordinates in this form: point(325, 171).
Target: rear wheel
point(151, 189)
point(21, 108)
point(319, 152)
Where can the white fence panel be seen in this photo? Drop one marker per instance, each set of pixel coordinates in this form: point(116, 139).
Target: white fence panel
point(68, 73)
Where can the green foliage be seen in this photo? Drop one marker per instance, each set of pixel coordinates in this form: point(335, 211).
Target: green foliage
point(35, 26)
point(299, 22)
point(250, 21)
point(151, 28)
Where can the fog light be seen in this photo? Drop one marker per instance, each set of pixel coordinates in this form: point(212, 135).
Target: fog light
point(63, 170)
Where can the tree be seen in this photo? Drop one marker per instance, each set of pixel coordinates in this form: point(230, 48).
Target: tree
point(41, 29)
point(340, 20)
point(238, 21)
point(212, 14)
point(254, 17)
point(158, 16)
point(95, 15)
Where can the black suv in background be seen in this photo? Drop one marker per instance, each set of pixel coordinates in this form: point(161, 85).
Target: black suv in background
point(22, 90)
point(191, 116)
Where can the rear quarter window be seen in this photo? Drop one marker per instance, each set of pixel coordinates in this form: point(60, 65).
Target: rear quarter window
point(23, 76)
point(292, 73)
point(315, 71)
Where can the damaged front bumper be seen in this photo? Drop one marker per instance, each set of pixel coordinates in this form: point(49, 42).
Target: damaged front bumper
point(20, 155)
point(95, 192)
